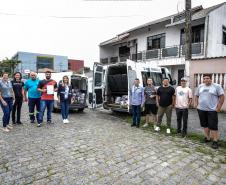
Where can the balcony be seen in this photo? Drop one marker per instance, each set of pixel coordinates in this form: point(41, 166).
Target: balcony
point(168, 52)
point(177, 51)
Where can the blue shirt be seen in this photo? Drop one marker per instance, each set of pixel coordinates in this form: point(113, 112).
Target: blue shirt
point(137, 95)
point(6, 89)
point(32, 87)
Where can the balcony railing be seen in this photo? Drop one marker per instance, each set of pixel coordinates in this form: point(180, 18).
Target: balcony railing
point(169, 52)
point(157, 54)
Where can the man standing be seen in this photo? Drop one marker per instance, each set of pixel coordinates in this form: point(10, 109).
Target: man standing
point(137, 101)
point(150, 102)
point(31, 86)
point(165, 100)
point(209, 100)
point(47, 87)
point(183, 101)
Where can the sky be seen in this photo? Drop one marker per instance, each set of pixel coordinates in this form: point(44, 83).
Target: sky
point(75, 28)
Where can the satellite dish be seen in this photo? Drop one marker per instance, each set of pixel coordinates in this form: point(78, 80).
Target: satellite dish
point(180, 6)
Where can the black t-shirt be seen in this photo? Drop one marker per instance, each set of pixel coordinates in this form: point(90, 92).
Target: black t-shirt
point(17, 88)
point(165, 94)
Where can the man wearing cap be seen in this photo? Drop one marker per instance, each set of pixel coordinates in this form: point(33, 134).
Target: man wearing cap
point(209, 100)
point(183, 96)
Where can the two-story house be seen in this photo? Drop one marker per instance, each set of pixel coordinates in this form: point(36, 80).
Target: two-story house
point(161, 42)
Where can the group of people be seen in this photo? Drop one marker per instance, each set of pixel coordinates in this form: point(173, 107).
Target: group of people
point(209, 98)
point(38, 93)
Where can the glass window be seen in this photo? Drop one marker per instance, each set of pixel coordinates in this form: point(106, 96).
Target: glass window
point(156, 41)
point(197, 34)
point(98, 79)
point(44, 62)
point(156, 77)
point(224, 35)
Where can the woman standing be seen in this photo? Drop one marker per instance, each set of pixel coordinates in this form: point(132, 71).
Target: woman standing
point(19, 94)
point(6, 100)
point(64, 96)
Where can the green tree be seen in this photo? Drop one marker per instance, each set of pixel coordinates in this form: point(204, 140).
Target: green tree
point(8, 65)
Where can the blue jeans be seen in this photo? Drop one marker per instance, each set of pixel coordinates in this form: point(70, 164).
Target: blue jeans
point(6, 110)
point(64, 109)
point(43, 105)
point(136, 110)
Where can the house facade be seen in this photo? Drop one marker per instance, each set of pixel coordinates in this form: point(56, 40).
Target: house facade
point(215, 66)
point(162, 42)
point(37, 62)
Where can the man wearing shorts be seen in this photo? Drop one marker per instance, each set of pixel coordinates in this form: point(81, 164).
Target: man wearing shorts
point(150, 102)
point(209, 100)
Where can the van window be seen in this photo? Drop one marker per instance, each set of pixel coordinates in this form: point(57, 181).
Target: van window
point(156, 77)
point(98, 79)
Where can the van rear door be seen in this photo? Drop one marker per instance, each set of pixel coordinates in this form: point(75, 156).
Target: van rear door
point(97, 85)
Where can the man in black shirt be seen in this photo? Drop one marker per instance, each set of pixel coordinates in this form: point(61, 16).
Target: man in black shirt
point(19, 94)
point(165, 100)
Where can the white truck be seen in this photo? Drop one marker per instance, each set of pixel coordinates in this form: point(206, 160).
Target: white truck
point(79, 88)
point(112, 83)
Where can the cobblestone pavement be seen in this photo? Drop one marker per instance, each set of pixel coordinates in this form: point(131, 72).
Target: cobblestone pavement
point(99, 148)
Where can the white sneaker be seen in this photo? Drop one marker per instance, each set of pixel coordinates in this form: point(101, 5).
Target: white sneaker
point(168, 131)
point(66, 120)
point(9, 127)
point(145, 125)
point(157, 129)
point(5, 129)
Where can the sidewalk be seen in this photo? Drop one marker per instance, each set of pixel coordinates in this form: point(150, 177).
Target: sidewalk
point(194, 124)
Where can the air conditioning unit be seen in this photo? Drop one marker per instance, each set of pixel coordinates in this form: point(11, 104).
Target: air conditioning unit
point(131, 43)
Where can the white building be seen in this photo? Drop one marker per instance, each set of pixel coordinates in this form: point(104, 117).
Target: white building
point(161, 42)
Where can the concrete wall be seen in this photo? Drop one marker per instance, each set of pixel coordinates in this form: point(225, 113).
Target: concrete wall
point(214, 66)
point(217, 19)
point(29, 61)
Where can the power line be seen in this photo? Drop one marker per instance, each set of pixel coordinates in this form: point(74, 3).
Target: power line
point(71, 17)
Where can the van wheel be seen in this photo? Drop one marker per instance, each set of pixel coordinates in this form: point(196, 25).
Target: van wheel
point(80, 110)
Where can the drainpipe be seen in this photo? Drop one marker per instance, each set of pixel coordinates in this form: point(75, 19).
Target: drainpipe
point(205, 47)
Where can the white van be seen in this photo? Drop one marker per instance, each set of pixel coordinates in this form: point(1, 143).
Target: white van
point(79, 85)
point(112, 83)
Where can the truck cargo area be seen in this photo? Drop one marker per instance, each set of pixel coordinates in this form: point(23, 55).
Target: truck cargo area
point(79, 89)
point(116, 92)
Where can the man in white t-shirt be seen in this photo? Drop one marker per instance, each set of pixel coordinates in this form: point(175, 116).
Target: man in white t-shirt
point(183, 101)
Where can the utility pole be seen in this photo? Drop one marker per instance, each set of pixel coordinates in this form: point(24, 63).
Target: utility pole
point(188, 47)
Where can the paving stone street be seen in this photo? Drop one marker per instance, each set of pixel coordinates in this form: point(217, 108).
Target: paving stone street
point(98, 147)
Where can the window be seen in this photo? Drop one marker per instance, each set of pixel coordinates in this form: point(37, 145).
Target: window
point(224, 35)
point(44, 62)
point(156, 77)
point(98, 80)
point(197, 34)
point(124, 51)
point(156, 41)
